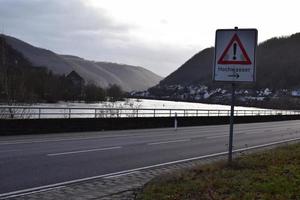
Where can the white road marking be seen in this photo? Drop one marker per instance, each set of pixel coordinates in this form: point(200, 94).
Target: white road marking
point(83, 151)
point(254, 133)
point(27, 192)
point(170, 141)
point(217, 136)
point(56, 185)
point(181, 130)
point(11, 150)
point(51, 140)
point(27, 141)
point(118, 175)
point(272, 132)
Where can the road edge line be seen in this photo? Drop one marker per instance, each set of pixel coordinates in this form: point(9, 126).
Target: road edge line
point(57, 185)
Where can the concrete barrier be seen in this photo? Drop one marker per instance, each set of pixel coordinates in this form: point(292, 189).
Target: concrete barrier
point(39, 126)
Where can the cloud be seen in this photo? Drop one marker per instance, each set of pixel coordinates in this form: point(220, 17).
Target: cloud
point(55, 17)
point(73, 27)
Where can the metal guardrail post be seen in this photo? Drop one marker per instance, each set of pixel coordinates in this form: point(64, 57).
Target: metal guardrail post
point(95, 113)
point(39, 113)
point(69, 113)
point(153, 112)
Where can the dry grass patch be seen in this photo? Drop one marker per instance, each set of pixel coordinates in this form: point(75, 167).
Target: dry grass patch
point(271, 175)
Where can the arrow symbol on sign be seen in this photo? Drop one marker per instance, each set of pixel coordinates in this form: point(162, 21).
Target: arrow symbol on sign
point(236, 75)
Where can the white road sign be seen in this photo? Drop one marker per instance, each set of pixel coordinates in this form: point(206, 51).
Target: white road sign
point(235, 55)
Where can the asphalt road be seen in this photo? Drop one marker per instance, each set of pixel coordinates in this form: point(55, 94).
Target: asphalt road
point(39, 160)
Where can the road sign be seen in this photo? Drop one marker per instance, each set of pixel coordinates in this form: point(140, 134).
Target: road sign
point(235, 55)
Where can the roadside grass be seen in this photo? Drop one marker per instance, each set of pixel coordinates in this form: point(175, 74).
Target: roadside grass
point(270, 175)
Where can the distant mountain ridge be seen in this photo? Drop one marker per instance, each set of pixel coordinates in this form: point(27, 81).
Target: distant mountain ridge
point(101, 73)
point(196, 69)
point(278, 66)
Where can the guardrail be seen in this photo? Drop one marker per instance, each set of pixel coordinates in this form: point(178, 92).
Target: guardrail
point(32, 112)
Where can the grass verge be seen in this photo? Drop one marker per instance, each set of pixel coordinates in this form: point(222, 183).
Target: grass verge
point(270, 175)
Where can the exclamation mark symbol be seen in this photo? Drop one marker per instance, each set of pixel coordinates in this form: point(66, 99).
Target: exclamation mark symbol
point(234, 51)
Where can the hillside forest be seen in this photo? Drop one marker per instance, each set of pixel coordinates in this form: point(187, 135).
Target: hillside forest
point(21, 82)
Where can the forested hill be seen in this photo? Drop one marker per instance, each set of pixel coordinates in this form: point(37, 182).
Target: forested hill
point(278, 65)
point(22, 82)
point(103, 74)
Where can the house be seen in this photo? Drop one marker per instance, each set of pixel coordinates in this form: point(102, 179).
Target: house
point(75, 78)
point(295, 93)
point(77, 85)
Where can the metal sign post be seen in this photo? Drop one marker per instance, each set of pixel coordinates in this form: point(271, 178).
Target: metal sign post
point(234, 62)
point(231, 123)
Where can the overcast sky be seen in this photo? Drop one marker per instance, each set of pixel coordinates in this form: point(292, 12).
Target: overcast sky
point(159, 35)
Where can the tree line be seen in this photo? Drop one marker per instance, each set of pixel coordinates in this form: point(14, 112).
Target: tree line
point(20, 81)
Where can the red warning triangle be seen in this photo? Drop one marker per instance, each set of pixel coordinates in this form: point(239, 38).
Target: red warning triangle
point(243, 59)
